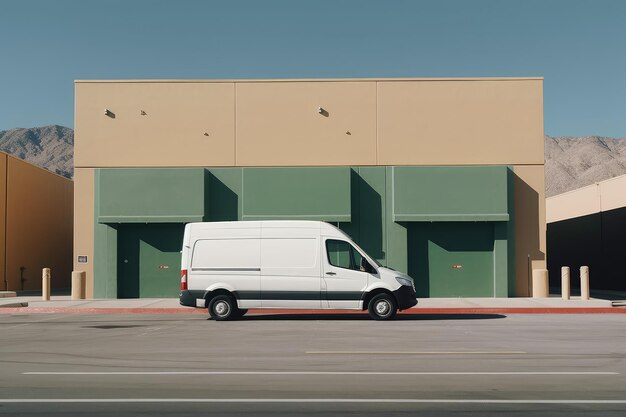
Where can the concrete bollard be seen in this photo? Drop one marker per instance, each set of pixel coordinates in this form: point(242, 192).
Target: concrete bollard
point(78, 285)
point(584, 282)
point(45, 284)
point(565, 284)
point(540, 283)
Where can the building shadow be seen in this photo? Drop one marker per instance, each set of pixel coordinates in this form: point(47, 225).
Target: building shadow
point(220, 202)
point(527, 241)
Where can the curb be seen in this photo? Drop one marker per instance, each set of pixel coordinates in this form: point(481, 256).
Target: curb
point(422, 311)
point(7, 294)
point(14, 305)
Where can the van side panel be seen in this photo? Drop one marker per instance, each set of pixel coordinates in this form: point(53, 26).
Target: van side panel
point(226, 254)
point(290, 268)
point(227, 259)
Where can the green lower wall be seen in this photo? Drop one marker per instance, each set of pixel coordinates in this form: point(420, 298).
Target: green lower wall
point(371, 224)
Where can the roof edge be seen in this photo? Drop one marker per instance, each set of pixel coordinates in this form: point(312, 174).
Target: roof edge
point(284, 80)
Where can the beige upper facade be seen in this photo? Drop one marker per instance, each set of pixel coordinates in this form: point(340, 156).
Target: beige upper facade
point(603, 196)
point(309, 122)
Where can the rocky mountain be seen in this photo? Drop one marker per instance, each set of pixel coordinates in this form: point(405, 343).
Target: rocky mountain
point(50, 147)
point(574, 162)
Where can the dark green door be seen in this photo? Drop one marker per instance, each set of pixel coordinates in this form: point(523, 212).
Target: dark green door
point(149, 260)
point(452, 259)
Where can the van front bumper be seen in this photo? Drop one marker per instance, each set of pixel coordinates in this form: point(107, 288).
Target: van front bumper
point(405, 296)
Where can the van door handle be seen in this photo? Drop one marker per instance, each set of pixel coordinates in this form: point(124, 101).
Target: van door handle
point(330, 273)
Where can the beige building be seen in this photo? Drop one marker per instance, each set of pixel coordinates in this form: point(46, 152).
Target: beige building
point(423, 173)
point(36, 208)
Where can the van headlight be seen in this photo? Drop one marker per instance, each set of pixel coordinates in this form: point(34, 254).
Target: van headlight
point(404, 281)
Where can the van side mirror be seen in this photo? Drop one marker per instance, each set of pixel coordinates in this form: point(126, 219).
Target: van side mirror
point(366, 266)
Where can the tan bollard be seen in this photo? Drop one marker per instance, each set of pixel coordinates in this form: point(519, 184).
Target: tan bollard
point(540, 283)
point(565, 284)
point(78, 285)
point(45, 284)
point(584, 282)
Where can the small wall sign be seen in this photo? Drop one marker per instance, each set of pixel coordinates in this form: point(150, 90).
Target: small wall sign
point(82, 259)
point(164, 267)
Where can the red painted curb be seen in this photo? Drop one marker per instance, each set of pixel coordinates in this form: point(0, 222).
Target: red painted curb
point(440, 311)
point(69, 310)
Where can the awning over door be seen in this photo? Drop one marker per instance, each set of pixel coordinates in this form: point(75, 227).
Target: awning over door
point(450, 193)
point(314, 193)
point(147, 195)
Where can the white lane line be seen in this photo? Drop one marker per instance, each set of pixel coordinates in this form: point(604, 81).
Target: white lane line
point(313, 373)
point(362, 352)
point(150, 330)
point(304, 400)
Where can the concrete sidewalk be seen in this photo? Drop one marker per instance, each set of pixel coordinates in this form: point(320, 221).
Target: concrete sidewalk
point(63, 304)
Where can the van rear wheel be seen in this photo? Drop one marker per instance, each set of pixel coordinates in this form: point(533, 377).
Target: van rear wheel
point(222, 307)
point(382, 307)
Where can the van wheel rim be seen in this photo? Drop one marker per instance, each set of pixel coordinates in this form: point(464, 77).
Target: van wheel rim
point(221, 308)
point(382, 308)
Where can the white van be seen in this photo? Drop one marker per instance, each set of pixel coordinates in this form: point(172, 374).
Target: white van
point(230, 267)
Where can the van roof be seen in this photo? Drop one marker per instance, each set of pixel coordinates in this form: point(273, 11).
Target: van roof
point(291, 224)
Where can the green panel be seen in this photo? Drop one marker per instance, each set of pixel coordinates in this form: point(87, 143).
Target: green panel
point(450, 193)
point(297, 193)
point(501, 260)
point(149, 260)
point(105, 253)
point(105, 261)
point(151, 195)
point(452, 259)
point(397, 255)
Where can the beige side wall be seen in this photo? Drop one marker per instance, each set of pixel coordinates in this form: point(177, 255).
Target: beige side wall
point(39, 226)
point(479, 122)
point(613, 193)
point(171, 133)
point(84, 223)
point(603, 196)
point(580, 202)
point(530, 225)
point(3, 201)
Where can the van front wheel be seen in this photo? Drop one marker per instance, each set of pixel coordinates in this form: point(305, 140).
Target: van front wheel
point(222, 307)
point(382, 307)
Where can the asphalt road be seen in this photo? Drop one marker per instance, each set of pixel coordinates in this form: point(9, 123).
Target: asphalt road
point(178, 364)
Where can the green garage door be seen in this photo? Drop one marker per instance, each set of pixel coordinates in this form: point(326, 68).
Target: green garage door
point(452, 259)
point(149, 260)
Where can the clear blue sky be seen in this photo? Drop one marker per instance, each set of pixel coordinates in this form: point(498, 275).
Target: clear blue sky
point(578, 46)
